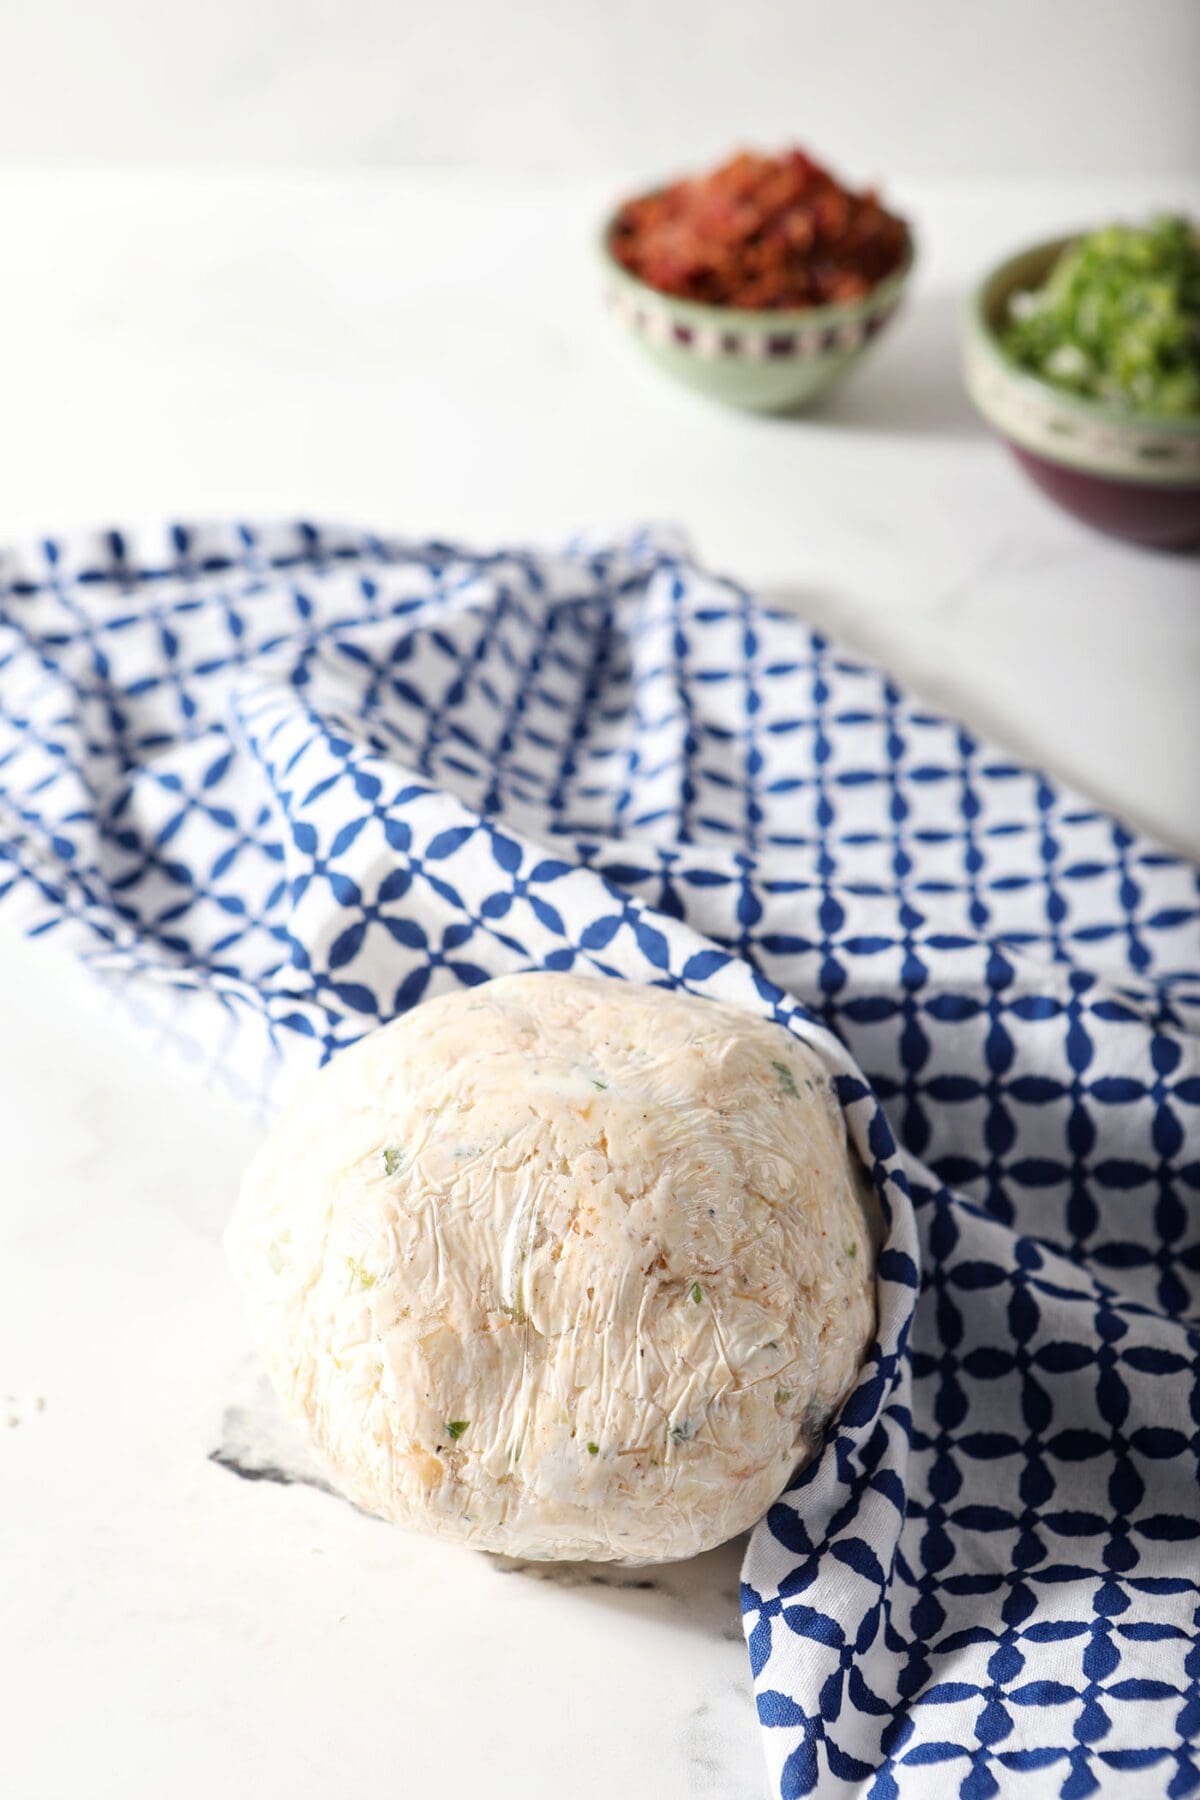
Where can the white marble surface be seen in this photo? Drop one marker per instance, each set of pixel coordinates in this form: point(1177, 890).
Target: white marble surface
point(427, 353)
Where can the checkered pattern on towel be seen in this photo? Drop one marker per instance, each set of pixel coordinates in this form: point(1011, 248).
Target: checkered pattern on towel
point(281, 784)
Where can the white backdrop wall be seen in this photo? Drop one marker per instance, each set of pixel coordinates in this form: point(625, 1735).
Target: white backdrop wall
point(1016, 87)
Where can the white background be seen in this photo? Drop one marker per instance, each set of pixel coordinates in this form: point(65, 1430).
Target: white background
point(1020, 87)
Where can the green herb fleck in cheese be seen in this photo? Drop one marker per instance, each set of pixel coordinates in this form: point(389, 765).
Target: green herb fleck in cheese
point(787, 1080)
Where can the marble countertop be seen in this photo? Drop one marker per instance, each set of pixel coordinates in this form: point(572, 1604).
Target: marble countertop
point(185, 1612)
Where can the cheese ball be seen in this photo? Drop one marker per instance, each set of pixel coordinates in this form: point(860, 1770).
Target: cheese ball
point(562, 1267)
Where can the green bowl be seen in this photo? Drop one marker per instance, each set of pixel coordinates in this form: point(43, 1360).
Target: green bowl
point(763, 361)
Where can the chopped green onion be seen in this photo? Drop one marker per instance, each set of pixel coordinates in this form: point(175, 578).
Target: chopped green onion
point(392, 1160)
point(697, 1292)
point(1117, 319)
point(456, 1427)
point(593, 1449)
point(787, 1080)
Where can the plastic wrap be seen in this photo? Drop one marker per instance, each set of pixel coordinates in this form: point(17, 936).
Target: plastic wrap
point(562, 1267)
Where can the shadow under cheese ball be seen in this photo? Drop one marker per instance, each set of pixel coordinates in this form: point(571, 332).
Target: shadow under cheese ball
point(562, 1267)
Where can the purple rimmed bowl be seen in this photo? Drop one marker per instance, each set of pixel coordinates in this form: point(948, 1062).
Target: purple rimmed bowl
point(1131, 475)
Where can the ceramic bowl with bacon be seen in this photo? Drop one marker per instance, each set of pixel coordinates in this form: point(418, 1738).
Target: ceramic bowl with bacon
point(759, 284)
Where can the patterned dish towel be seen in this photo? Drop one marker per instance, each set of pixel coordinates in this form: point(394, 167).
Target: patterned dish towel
point(280, 784)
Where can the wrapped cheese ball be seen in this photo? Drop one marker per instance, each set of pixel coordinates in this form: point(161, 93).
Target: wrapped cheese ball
point(562, 1267)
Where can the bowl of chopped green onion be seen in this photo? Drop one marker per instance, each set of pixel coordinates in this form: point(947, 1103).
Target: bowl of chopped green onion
point(1084, 355)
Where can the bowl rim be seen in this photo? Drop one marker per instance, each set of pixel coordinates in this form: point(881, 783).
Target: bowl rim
point(771, 320)
point(982, 335)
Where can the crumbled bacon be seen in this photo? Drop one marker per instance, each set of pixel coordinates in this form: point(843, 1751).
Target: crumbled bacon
point(761, 232)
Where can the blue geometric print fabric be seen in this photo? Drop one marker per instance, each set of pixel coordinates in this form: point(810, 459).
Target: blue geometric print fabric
point(281, 784)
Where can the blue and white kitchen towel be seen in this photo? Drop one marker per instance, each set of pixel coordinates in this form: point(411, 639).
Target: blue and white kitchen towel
point(281, 784)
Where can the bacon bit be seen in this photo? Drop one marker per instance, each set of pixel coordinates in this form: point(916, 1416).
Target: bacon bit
point(760, 233)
